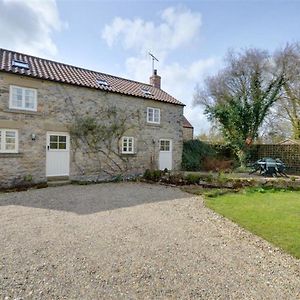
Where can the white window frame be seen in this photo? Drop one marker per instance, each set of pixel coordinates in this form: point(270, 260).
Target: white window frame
point(3, 141)
point(127, 138)
point(23, 98)
point(153, 110)
point(170, 145)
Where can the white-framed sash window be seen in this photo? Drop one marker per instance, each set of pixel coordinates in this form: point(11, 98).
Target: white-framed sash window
point(153, 115)
point(8, 141)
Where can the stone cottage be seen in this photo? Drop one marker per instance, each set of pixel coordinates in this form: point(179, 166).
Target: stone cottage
point(61, 121)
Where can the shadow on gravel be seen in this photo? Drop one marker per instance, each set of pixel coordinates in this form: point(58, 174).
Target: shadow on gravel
point(92, 198)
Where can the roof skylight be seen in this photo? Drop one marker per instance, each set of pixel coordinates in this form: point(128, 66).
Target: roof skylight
point(20, 64)
point(146, 92)
point(102, 82)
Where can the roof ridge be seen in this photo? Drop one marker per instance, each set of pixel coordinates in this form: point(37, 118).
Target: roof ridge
point(81, 68)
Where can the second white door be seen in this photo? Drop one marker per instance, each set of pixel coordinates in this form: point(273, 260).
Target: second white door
point(165, 154)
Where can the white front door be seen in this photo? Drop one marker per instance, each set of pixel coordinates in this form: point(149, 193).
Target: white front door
point(165, 154)
point(58, 154)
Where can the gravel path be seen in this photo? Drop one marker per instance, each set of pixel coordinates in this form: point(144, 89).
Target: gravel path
point(132, 241)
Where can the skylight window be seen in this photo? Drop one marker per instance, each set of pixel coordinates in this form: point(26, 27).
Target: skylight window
point(146, 92)
point(102, 82)
point(20, 64)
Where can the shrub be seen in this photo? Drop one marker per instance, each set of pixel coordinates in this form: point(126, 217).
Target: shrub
point(194, 152)
point(153, 175)
point(198, 155)
point(217, 164)
point(192, 178)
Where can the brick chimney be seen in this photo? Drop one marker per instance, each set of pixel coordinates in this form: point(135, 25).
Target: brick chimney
point(155, 79)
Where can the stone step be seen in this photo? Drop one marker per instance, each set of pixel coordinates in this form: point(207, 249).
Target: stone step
point(57, 178)
point(53, 183)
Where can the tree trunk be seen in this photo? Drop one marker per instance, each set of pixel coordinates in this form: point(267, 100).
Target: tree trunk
point(242, 156)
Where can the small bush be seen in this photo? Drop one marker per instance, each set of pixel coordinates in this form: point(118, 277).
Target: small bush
point(192, 178)
point(175, 178)
point(153, 175)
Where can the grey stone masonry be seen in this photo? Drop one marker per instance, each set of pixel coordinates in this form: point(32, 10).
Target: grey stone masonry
point(56, 103)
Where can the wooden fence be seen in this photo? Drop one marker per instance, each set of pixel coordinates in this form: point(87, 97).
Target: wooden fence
point(289, 154)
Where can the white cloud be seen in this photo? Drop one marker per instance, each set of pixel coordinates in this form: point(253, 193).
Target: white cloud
point(178, 27)
point(27, 26)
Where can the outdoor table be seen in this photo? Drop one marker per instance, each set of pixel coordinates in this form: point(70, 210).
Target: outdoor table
point(269, 166)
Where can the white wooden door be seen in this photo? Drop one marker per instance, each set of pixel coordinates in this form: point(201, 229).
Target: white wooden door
point(58, 154)
point(165, 154)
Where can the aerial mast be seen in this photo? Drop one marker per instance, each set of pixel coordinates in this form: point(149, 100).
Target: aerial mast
point(153, 59)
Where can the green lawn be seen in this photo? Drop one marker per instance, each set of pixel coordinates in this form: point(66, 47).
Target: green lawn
point(275, 216)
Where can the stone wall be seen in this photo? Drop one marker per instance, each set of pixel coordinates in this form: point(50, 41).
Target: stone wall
point(188, 133)
point(56, 102)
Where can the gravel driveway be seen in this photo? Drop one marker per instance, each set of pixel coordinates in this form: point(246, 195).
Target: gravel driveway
point(132, 241)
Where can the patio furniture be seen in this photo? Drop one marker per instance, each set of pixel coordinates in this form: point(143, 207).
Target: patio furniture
point(268, 166)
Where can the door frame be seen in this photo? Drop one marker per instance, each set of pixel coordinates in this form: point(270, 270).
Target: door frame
point(163, 151)
point(67, 134)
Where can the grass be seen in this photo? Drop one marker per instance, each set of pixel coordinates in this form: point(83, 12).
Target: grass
point(273, 215)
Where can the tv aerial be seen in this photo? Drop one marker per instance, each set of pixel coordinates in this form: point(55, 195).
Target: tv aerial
point(153, 60)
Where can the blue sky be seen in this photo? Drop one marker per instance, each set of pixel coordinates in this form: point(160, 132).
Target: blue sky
point(190, 38)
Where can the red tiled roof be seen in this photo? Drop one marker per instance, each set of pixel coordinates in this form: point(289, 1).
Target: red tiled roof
point(50, 70)
point(186, 123)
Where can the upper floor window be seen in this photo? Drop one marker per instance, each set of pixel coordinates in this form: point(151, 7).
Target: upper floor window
point(153, 115)
point(127, 145)
point(23, 98)
point(8, 141)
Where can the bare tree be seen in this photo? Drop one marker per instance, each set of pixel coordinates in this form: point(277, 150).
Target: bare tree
point(288, 108)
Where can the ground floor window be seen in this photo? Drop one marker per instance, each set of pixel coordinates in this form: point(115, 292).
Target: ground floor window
point(8, 141)
point(127, 145)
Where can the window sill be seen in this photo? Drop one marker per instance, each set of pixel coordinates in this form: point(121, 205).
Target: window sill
point(128, 154)
point(153, 124)
point(11, 155)
point(22, 111)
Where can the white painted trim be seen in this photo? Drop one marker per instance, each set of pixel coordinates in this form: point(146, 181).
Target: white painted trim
point(3, 141)
point(23, 98)
point(133, 145)
point(154, 108)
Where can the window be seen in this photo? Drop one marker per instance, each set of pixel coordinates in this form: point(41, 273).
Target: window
point(153, 115)
point(165, 145)
point(102, 82)
point(58, 142)
point(20, 64)
point(146, 92)
point(23, 98)
point(8, 141)
point(127, 145)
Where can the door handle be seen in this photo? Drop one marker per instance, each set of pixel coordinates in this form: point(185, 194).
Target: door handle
point(48, 147)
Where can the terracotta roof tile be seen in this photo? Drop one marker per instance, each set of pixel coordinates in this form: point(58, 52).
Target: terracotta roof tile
point(186, 123)
point(59, 72)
